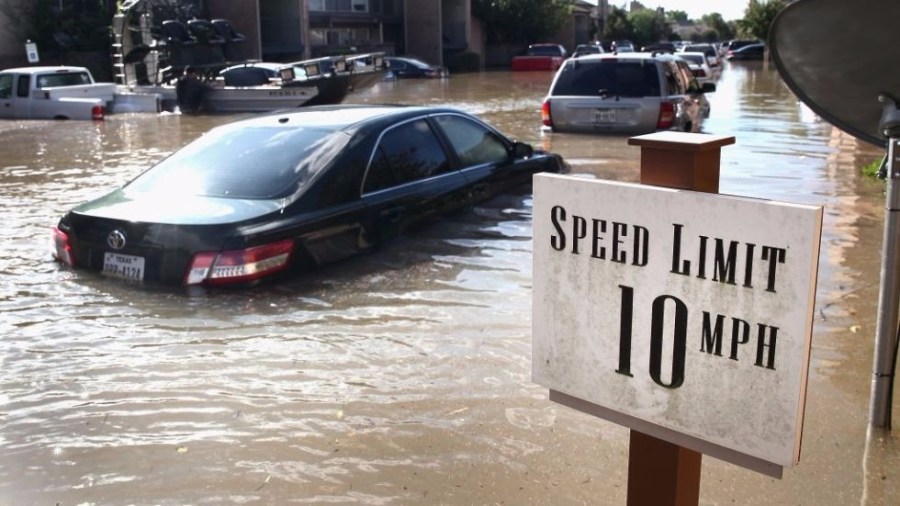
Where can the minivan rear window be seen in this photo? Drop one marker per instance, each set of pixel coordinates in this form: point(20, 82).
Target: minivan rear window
point(623, 78)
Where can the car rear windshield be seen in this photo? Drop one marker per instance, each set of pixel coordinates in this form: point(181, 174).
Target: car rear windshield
point(258, 162)
point(705, 49)
point(63, 79)
point(544, 51)
point(622, 78)
point(694, 58)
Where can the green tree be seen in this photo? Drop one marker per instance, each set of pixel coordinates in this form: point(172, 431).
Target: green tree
point(521, 21)
point(618, 26)
point(717, 23)
point(709, 35)
point(58, 26)
point(649, 26)
point(677, 16)
point(758, 17)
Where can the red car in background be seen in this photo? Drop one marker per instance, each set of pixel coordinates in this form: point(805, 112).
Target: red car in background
point(540, 57)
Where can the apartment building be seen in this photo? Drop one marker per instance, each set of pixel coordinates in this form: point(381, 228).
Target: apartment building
point(292, 29)
point(283, 30)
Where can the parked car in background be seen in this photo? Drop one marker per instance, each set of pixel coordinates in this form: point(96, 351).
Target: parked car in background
point(698, 65)
point(540, 57)
point(583, 49)
point(712, 54)
point(748, 52)
point(662, 47)
point(62, 92)
point(631, 93)
point(735, 44)
point(402, 67)
point(288, 191)
point(622, 46)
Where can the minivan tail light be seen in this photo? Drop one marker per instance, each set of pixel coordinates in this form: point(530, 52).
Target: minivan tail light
point(239, 266)
point(666, 116)
point(97, 112)
point(546, 119)
point(62, 247)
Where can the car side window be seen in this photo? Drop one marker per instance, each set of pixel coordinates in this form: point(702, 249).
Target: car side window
point(687, 78)
point(406, 153)
point(474, 144)
point(22, 86)
point(673, 84)
point(6, 84)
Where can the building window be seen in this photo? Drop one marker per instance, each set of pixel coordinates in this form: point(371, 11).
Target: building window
point(317, 5)
point(318, 37)
point(342, 36)
point(360, 5)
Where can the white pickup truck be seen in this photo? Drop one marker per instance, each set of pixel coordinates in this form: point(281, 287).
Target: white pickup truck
point(53, 93)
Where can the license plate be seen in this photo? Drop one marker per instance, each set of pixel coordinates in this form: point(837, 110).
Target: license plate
point(128, 267)
point(605, 116)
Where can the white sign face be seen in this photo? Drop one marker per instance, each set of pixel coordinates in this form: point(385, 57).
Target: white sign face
point(683, 310)
point(32, 52)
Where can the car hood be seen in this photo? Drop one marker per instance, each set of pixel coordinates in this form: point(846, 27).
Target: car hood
point(176, 209)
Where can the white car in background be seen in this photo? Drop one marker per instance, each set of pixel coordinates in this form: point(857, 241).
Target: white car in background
point(712, 55)
point(698, 65)
point(625, 94)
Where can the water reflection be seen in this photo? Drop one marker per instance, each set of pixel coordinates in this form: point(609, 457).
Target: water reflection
point(397, 377)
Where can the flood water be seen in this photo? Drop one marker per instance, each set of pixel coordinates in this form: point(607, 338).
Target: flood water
point(400, 377)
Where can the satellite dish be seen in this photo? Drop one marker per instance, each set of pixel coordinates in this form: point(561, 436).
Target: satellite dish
point(840, 58)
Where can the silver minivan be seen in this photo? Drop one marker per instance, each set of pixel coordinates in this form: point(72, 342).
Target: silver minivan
point(631, 93)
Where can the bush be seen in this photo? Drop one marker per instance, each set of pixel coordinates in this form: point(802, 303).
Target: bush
point(872, 169)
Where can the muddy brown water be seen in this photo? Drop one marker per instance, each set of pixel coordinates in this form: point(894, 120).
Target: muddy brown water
point(401, 377)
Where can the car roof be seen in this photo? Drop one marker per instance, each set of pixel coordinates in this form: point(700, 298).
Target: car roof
point(659, 56)
point(337, 117)
point(408, 59)
point(37, 70)
point(259, 64)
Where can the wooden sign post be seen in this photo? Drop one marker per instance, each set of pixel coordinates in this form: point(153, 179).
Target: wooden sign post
point(679, 313)
point(660, 472)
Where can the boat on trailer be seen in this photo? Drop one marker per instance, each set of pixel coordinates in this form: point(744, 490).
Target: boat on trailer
point(153, 46)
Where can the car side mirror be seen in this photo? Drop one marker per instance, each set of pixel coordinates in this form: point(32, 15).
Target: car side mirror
point(708, 87)
point(522, 150)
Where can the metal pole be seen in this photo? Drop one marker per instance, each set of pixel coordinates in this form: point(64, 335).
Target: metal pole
point(888, 325)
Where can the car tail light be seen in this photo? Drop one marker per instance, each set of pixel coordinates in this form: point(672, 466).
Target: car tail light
point(239, 266)
point(97, 112)
point(62, 247)
point(546, 119)
point(666, 115)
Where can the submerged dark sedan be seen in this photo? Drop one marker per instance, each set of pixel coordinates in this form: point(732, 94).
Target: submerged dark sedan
point(402, 67)
point(289, 191)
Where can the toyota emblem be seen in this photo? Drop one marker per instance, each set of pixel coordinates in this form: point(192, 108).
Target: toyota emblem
point(116, 239)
